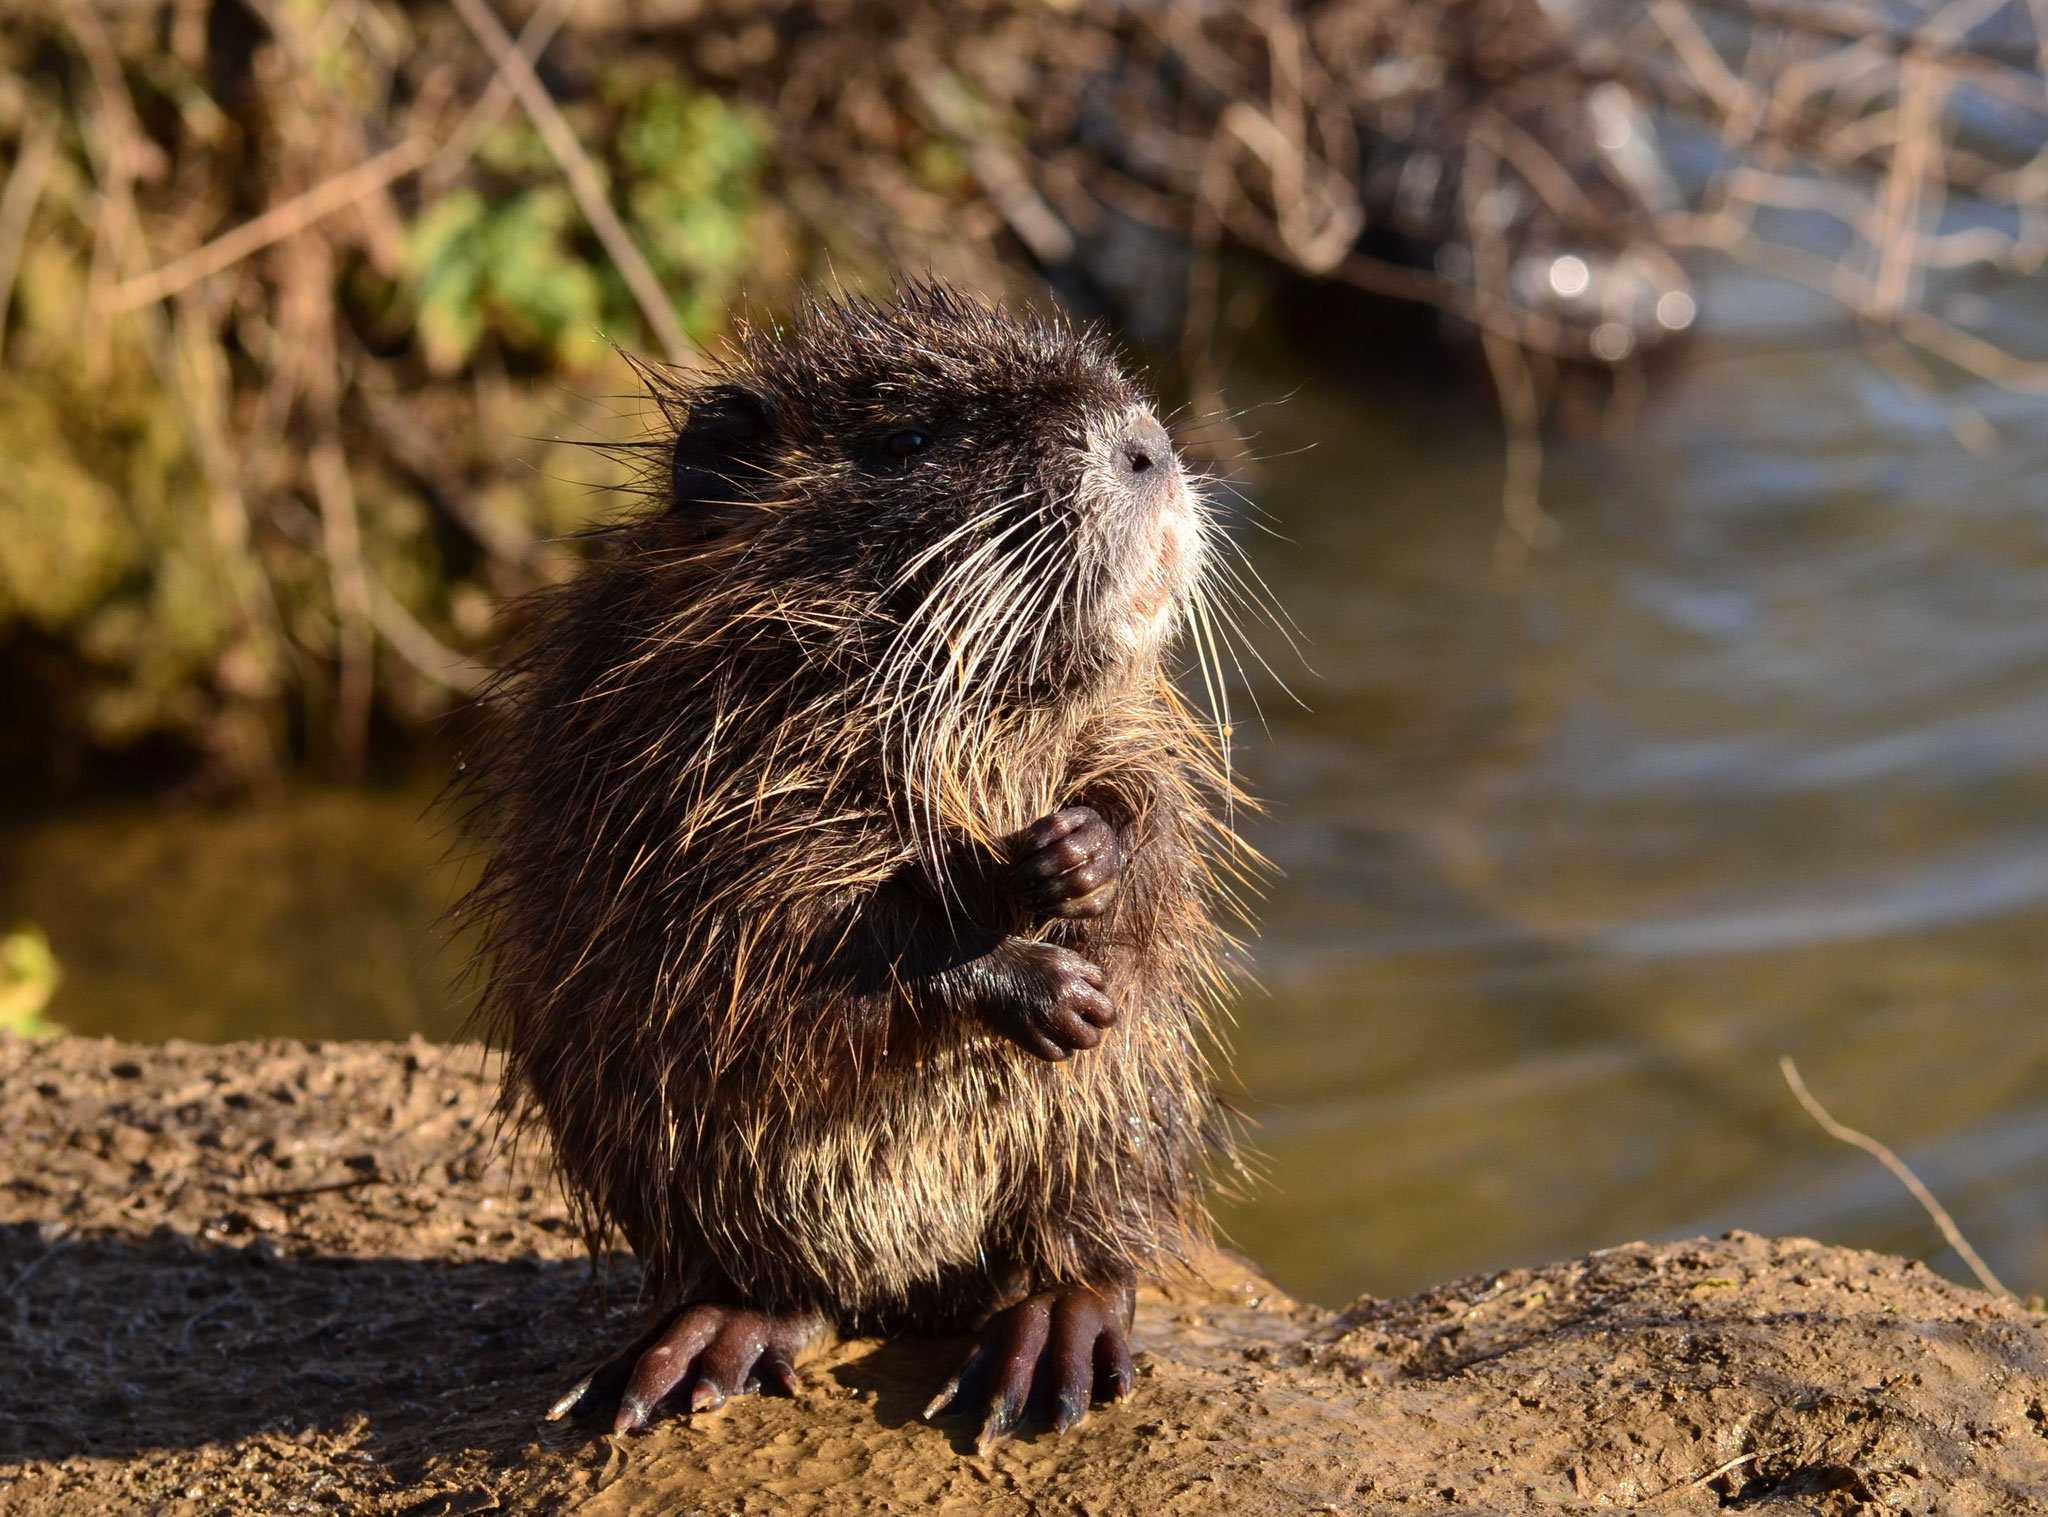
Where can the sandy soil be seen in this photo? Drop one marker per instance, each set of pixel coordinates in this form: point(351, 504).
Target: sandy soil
point(278, 1277)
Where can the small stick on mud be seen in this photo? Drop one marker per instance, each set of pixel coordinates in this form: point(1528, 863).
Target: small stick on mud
point(297, 1191)
point(1897, 1166)
point(1702, 1481)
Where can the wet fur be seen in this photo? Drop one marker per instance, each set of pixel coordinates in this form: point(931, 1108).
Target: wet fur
point(746, 797)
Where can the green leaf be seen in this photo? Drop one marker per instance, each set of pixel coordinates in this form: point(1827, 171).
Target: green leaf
point(693, 162)
point(445, 257)
point(28, 978)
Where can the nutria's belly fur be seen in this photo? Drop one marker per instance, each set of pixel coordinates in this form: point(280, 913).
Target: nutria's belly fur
point(922, 1191)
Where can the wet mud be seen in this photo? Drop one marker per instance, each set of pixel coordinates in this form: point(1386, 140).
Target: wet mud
point(283, 1277)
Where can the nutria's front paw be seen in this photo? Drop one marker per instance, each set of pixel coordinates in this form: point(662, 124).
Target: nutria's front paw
point(1066, 864)
point(711, 1352)
point(1044, 1357)
point(1048, 1000)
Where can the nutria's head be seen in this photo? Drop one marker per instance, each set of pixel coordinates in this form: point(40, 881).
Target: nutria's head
point(976, 502)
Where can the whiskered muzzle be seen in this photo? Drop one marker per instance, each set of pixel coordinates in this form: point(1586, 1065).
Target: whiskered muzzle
point(1142, 526)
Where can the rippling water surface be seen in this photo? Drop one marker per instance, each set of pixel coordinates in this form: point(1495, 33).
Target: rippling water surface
point(1755, 762)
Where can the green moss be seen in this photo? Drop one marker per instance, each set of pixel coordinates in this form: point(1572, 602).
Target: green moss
point(512, 266)
point(65, 541)
point(696, 163)
point(105, 543)
point(28, 978)
point(522, 264)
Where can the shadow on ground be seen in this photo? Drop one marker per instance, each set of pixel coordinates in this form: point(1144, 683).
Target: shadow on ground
point(116, 1346)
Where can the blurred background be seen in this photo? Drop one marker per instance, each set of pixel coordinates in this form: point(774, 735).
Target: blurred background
point(1637, 411)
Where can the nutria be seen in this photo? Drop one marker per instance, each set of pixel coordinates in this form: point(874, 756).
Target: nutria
point(853, 862)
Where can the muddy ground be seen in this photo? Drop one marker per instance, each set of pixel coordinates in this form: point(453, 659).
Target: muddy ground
point(279, 1277)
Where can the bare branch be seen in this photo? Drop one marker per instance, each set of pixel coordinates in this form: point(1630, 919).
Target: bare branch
point(32, 163)
point(349, 187)
point(274, 225)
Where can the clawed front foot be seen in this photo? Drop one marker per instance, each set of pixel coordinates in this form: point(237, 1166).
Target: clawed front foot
point(1066, 864)
point(1046, 999)
point(1045, 1357)
point(708, 1353)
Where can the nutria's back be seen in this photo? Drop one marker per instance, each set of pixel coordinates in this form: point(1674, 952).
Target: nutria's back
point(757, 954)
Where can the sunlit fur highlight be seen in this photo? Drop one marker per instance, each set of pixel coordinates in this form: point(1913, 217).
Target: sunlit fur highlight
point(734, 745)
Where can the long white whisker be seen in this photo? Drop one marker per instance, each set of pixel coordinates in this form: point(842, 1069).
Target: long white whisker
point(927, 555)
point(935, 646)
point(1222, 611)
point(1266, 599)
point(1212, 679)
point(1028, 600)
point(1229, 624)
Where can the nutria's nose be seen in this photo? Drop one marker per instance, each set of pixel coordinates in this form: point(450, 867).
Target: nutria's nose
point(1144, 448)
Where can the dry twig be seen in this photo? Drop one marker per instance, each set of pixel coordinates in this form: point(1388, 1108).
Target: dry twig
point(1701, 1482)
point(32, 164)
point(1906, 1177)
point(348, 187)
point(274, 225)
point(1852, 119)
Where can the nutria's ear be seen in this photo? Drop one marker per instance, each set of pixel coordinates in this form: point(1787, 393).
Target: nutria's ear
point(720, 456)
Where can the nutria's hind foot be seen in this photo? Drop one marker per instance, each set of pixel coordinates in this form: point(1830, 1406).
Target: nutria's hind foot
point(709, 1353)
point(1067, 864)
point(1047, 1356)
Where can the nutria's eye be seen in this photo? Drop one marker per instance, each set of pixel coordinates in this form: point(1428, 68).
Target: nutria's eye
point(907, 444)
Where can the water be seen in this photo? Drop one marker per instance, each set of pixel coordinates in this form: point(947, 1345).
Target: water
point(312, 914)
point(1755, 763)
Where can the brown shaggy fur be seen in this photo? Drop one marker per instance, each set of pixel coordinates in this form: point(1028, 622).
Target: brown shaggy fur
point(747, 795)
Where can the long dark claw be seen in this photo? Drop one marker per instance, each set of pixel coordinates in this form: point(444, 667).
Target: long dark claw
point(1001, 1419)
point(782, 1374)
point(1015, 1366)
point(728, 1363)
point(1113, 1367)
point(603, 1386)
point(666, 1365)
point(1070, 1352)
point(950, 1391)
point(570, 1399)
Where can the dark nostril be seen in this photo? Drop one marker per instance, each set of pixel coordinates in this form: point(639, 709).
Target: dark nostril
point(1137, 458)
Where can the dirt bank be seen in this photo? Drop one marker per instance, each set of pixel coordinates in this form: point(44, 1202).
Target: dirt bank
point(278, 1277)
